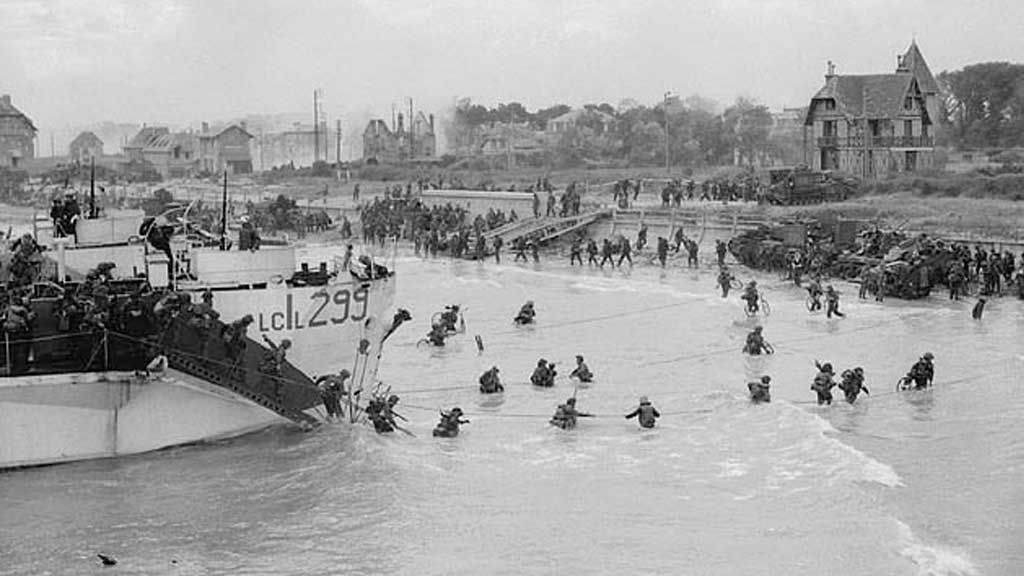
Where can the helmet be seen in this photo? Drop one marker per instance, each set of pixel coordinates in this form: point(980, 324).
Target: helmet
point(928, 356)
point(393, 399)
point(766, 378)
point(344, 373)
point(456, 411)
point(758, 328)
point(858, 370)
point(541, 362)
point(571, 401)
point(644, 400)
point(579, 357)
point(286, 343)
point(495, 368)
point(826, 367)
point(248, 319)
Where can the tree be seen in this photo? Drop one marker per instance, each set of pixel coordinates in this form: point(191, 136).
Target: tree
point(985, 104)
point(539, 121)
point(748, 124)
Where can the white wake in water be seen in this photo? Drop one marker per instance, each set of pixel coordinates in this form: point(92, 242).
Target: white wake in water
point(933, 560)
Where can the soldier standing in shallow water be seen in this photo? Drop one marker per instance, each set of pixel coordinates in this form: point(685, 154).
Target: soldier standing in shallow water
point(832, 303)
point(646, 412)
point(824, 383)
point(576, 252)
point(497, 242)
point(852, 384)
point(592, 252)
point(760, 392)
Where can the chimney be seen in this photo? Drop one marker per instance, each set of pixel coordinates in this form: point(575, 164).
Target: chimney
point(831, 71)
point(5, 99)
point(400, 128)
point(431, 123)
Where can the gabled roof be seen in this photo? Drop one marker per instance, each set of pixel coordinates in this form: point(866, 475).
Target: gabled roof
point(85, 139)
point(220, 131)
point(376, 127)
point(573, 116)
point(422, 121)
point(8, 109)
point(914, 63)
point(871, 95)
point(147, 135)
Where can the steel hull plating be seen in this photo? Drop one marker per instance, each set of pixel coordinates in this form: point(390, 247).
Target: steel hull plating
point(51, 418)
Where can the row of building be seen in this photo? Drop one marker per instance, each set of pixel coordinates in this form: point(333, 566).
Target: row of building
point(869, 125)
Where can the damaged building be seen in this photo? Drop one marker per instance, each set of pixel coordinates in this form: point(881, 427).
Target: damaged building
point(398, 144)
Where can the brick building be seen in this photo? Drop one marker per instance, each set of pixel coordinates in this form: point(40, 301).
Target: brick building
point(85, 147)
point(225, 150)
point(17, 135)
point(875, 125)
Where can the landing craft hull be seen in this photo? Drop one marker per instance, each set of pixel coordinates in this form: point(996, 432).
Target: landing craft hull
point(68, 417)
point(324, 323)
point(53, 418)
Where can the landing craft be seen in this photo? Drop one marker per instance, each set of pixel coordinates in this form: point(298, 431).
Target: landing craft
point(69, 393)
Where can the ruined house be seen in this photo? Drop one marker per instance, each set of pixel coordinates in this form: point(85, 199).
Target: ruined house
point(17, 135)
point(85, 147)
point(397, 144)
point(172, 155)
point(875, 125)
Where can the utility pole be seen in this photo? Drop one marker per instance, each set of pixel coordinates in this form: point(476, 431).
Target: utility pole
point(411, 132)
point(508, 139)
point(337, 149)
point(224, 215)
point(316, 125)
point(668, 168)
point(262, 144)
point(864, 131)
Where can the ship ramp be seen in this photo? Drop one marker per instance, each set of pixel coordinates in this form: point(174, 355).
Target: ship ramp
point(202, 353)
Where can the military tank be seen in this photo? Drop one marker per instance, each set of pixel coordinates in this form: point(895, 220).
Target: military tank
point(797, 185)
point(907, 267)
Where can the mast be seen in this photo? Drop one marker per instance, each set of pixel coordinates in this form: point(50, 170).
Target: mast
point(224, 215)
point(337, 151)
point(316, 127)
point(92, 187)
point(411, 123)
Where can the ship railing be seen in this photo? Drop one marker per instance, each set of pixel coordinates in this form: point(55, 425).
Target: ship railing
point(88, 350)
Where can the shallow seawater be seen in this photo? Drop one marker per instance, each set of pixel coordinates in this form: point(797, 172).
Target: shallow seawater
point(899, 483)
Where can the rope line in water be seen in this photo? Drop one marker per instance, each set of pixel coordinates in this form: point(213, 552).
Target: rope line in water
point(535, 327)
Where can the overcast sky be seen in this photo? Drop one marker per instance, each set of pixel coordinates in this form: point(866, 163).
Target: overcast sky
point(183, 61)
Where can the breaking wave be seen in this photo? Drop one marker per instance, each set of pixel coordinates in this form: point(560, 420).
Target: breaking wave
point(933, 560)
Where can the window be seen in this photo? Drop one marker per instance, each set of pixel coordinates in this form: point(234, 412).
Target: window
point(908, 128)
point(830, 104)
point(828, 129)
point(908, 103)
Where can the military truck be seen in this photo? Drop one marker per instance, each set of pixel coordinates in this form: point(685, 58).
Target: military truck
point(794, 185)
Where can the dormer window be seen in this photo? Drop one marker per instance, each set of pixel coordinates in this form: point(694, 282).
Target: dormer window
point(830, 104)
